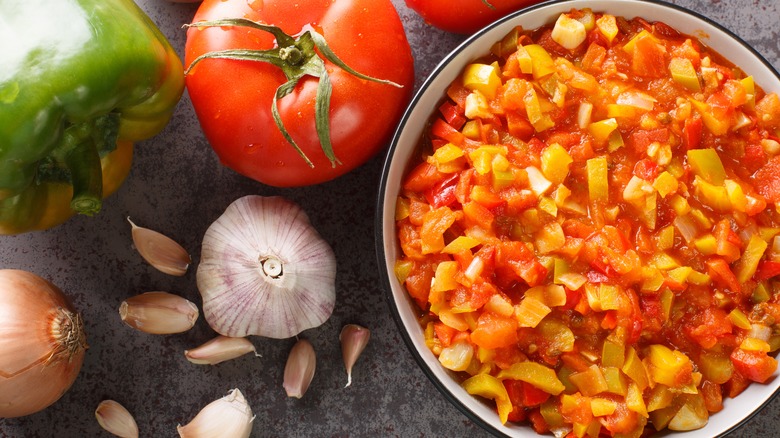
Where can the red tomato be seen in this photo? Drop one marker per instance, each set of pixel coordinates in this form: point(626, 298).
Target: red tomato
point(233, 98)
point(465, 16)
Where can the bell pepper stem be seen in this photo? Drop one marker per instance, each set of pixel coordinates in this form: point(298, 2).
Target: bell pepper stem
point(83, 161)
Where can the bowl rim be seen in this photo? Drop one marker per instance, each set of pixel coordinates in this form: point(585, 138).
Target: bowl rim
point(385, 280)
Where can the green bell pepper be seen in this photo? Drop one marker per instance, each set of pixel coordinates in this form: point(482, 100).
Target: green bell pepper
point(80, 81)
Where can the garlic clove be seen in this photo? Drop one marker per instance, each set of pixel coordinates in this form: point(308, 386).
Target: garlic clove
point(265, 271)
point(115, 419)
point(159, 313)
point(354, 339)
point(220, 349)
point(227, 417)
point(299, 370)
point(160, 251)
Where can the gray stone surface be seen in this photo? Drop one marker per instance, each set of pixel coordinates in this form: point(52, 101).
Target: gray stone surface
point(178, 187)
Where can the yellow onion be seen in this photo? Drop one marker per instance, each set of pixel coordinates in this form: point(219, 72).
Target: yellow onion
point(42, 344)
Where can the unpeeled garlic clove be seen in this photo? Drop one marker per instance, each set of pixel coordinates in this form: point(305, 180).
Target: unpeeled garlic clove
point(354, 339)
point(227, 417)
point(299, 370)
point(220, 349)
point(159, 313)
point(114, 418)
point(160, 251)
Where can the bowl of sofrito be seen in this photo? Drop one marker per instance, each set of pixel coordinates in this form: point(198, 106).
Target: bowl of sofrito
point(578, 226)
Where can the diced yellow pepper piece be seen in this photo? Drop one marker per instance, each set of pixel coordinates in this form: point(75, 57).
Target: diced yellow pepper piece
point(706, 244)
point(680, 205)
point(401, 208)
point(714, 124)
point(550, 238)
point(669, 367)
point(447, 153)
point(485, 385)
point(631, 44)
point(711, 195)
point(444, 279)
point(524, 60)
point(634, 400)
point(616, 381)
point(402, 269)
point(598, 179)
point(664, 261)
point(551, 414)
point(607, 25)
point(471, 130)
point(660, 397)
point(590, 381)
point(602, 130)
point(555, 163)
point(698, 278)
point(635, 369)
point(665, 184)
point(547, 205)
point(739, 319)
point(460, 244)
point(601, 407)
point(483, 78)
point(680, 275)
point(761, 293)
point(543, 63)
point(530, 312)
point(533, 109)
point(716, 367)
point(754, 344)
point(684, 73)
point(538, 375)
point(706, 164)
point(750, 88)
point(613, 354)
point(746, 266)
point(665, 238)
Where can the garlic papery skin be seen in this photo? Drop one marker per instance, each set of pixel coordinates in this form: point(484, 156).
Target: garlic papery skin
point(219, 350)
point(160, 251)
point(299, 370)
point(354, 339)
point(115, 419)
point(227, 417)
point(159, 313)
point(265, 271)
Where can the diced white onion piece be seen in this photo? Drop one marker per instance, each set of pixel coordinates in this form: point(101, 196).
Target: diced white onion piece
point(457, 357)
point(687, 227)
point(539, 184)
point(584, 113)
point(760, 331)
point(637, 99)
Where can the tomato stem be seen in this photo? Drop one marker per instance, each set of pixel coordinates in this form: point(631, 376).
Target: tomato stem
point(297, 58)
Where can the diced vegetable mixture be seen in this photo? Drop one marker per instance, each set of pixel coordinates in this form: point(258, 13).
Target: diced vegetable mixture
point(591, 229)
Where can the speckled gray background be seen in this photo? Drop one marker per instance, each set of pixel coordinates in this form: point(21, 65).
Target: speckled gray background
point(178, 187)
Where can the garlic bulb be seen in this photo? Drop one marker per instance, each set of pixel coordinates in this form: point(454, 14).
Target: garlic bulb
point(265, 270)
point(228, 417)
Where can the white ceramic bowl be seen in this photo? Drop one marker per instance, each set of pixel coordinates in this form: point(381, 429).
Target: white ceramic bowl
point(736, 411)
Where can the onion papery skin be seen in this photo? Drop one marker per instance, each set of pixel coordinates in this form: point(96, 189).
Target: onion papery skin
point(42, 343)
point(238, 298)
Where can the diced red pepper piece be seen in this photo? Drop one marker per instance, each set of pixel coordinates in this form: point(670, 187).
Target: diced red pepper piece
point(720, 271)
point(692, 130)
point(766, 270)
point(766, 180)
point(445, 333)
point(423, 177)
point(453, 114)
point(443, 193)
point(444, 130)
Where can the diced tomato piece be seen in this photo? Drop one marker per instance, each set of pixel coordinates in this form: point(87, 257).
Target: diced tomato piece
point(418, 283)
point(594, 57)
point(692, 130)
point(755, 157)
point(475, 296)
point(646, 169)
point(649, 58)
point(713, 397)
point(709, 326)
point(521, 261)
point(577, 410)
point(754, 365)
point(494, 331)
point(445, 333)
point(518, 200)
point(477, 214)
point(766, 180)
point(518, 125)
point(436, 222)
point(642, 138)
point(623, 420)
